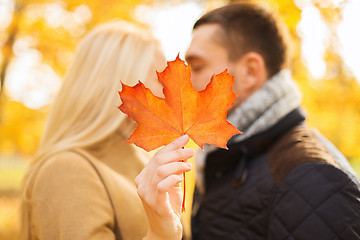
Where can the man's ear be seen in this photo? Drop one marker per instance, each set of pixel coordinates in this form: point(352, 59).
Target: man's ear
point(252, 72)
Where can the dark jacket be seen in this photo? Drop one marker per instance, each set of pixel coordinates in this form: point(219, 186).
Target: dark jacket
point(280, 184)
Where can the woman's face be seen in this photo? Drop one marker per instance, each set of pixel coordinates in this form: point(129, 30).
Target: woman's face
point(158, 65)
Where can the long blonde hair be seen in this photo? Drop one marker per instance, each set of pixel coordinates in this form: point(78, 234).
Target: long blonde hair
point(84, 111)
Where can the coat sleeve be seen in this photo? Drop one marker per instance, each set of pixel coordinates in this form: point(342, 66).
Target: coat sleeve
point(316, 201)
point(70, 202)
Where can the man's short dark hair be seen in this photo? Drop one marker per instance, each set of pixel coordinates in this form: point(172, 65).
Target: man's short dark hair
point(248, 27)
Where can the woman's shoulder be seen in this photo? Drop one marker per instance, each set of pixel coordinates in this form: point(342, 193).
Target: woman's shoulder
point(66, 173)
point(66, 191)
point(64, 164)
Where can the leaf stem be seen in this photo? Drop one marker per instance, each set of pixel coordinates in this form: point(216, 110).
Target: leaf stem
point(183, 203)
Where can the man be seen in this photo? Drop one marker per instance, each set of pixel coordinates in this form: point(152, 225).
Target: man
point(278, 180)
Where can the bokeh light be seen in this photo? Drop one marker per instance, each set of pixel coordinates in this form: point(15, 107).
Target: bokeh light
point(349, 37)
point(172, 25)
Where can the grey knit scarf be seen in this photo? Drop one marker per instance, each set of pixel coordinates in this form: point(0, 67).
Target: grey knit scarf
point(262, 110)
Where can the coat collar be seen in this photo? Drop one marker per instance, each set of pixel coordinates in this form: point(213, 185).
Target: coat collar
point(262, 141)
point(238, 155)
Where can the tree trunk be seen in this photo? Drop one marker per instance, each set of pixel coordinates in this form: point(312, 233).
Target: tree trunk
point(7, 48)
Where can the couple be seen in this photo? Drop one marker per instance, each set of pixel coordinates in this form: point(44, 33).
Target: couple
point(278, 180)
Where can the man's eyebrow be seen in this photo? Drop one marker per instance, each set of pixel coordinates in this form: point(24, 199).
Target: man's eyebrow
point(190, 58)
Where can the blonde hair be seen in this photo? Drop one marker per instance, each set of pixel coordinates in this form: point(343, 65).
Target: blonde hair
point(84, 112)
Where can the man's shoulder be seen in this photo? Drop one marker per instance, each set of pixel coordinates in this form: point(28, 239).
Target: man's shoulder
point(313, 202)
point(314, 192)
point(298, 146)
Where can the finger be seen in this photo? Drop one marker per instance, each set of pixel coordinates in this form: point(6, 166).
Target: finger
point(166, 165)
point(165, 171)
point(161, 159)
point(138, 180)
point(166, 184)
point(169, 169)
point(180, 154)
point(176, 144)
point(170, 184)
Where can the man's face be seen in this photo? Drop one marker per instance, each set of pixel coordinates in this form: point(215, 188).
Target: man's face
point(207, 58)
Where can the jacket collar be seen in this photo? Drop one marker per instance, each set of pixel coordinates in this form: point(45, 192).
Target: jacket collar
point(262, 141)
point(238, 155)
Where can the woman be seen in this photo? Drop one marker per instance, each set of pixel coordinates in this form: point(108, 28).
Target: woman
point(80, 185)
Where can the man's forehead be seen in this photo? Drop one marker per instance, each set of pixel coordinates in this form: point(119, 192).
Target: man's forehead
point(207, 31)
point(204, 38)
point(207, 27)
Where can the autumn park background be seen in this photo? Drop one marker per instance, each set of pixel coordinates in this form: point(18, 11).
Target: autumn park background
point(38, 39)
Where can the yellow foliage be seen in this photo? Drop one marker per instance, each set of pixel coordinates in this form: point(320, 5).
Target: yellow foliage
point(20, 128)
point(332, 103)
point(8, 218)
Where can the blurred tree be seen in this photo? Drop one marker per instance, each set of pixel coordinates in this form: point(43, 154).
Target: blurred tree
point(50, 30)
point(7, 47)
point(333, 101)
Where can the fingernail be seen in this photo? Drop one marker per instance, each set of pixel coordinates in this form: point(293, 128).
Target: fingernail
point(189, 165)
point(190, 151)
point(185, 136)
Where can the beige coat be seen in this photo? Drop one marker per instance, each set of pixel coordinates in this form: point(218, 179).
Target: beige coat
point(69, 201)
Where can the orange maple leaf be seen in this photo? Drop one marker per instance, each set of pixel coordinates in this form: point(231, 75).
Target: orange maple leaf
point(201, 115)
